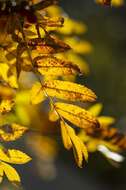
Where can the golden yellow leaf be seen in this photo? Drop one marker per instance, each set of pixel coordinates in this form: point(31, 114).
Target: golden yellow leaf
point(72, 27)
point(49, 65)
point(70, 139)
point(11, 132)
point(76, 115)
point(13, 156)
point(6, 92)
point(1, 173)
point(10, 173)
point(37, 94)
point(79, 46)
point(95, 109)
point(65, 136)
point(68, 91)
point(106, 121)
point(9, 75)
point(6, 106)
point(53, 116)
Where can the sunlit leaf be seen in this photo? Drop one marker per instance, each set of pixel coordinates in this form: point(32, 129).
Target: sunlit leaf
point(37, 94)
point(76, 115)
point(14, 156)
point(65, 136)
point(10, 173)
point(6, 106)
point(106, 121)
point(70, 139)
point(48, 65)
point(95, 109)
point(68, 91)
point(11, 132)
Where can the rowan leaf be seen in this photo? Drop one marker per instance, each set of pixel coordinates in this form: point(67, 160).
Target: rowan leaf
point(10, 173)
point(65, 136)
point(48, 45)
point(95, 109)
point(11, 132)
point(37, 94)
point(6, 106)
point(106, 121)
point(1, 173)
point(6, 92)
point(70, 139)
point(76, 115)
point(13, 156)
point(49, 65)
point(53, 116)
point(68, 91)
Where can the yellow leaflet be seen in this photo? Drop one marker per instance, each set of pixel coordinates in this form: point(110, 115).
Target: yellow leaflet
point(54, 10)
point(6, 92)
point(11, 132)
point(1, 173)
point(68, 91)
point(10, 173)
point(72, 140)
point(84, 67)
point(95, 109)
point(11, 79)
point(6, 106)
point(65, 136)
point(106, 121)
point(37, 94)
point(53, 116)
point(79, 46)
point(72, 27)
point(75, 59)
point(76, 115)
point(14, 156)
point(4, 70)
point(53, 66)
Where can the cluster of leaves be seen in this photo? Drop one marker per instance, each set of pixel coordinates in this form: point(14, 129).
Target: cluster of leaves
point(37, 48)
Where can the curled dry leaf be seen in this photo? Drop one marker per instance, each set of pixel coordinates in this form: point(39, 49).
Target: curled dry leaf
point(51, 22)
point(48, 45)
point(76, 115)
point(11, 132)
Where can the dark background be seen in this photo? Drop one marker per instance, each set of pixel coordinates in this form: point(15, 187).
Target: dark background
point(107, 33)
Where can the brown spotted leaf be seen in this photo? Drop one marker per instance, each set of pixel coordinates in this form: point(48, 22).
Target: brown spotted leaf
point(68, 91)
point(48, 45)
point(49, 65)
point(76, 115)
point(11, 132)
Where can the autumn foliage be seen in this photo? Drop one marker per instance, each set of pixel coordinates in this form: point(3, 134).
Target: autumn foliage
point(40, 59)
